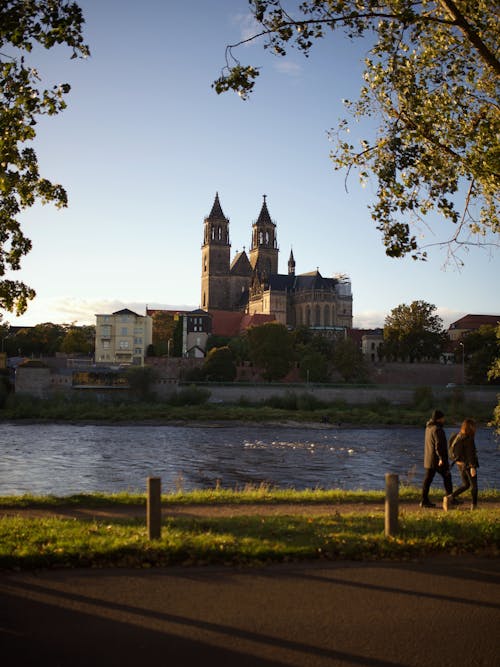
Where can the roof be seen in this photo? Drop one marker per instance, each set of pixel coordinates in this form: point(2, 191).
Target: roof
point(240, 266)
point(233, 323)
point(264, 217)
point(216, 212)
point(126, 311)
point(282, 282)
point(475, 321)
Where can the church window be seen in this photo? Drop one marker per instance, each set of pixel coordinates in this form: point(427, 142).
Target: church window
point(308, 317)
point(220, 233)
point(204, 300)
point(261, 238)
point(267, 238)
point(213, 233)
point(318, 316)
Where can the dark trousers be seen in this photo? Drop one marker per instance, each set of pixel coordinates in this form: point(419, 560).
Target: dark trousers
point(467, 481)
point(429, 476)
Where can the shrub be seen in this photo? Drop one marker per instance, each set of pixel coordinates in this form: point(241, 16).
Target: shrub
point(423, 398)
point(191, 395)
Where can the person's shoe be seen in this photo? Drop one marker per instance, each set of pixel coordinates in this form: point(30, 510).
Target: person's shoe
point(427, 503)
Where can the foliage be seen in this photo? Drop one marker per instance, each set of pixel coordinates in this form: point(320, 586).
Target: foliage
point(423, 398)
point(348, 360)
point(141, 380)
point(22, 26)
point(164, 327)
point(431, 80)
point(191, 395)
point(413, 333)
point(313, 366)
point(78, 340)
point(270, 348)
point(219, 365)
point(481, 348)
point(217, 341)
point(494, 373)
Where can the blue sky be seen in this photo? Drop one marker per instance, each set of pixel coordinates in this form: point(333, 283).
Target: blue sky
point(145, 143)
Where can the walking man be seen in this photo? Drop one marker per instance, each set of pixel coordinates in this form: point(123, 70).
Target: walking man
point(435, 457)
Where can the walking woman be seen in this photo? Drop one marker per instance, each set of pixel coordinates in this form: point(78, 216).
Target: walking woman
point(463, 451)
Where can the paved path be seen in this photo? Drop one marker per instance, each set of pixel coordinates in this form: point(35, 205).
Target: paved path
point(440, 612)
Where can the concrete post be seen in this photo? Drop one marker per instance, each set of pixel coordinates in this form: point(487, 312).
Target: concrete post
point(391, 503)
point(153, 508)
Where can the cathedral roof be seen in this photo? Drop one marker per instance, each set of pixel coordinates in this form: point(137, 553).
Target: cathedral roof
point(216, 212)
point(264, 217)
point(281, 282)
point(240, 265)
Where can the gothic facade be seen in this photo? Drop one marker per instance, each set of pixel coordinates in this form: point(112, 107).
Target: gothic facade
point(251, 283)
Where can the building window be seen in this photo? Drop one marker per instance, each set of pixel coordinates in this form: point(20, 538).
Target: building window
point(106, 331)
point(138, 341)
point(106, 344)
point(123, 345)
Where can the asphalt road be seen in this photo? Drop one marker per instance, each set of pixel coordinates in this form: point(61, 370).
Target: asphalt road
point(442, 611)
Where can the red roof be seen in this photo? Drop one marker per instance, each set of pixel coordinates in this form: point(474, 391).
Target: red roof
point(233, 323)
point(472, 322)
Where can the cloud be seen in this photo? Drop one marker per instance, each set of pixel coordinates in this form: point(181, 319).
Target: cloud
point(288, 67)
point(80, 311)
point(247, 24)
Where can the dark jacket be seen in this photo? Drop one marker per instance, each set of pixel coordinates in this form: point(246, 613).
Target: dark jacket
point(464, 450)
point(436, 446)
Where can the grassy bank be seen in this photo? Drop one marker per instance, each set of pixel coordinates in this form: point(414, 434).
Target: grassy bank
point(248, 539)
point(379, 413)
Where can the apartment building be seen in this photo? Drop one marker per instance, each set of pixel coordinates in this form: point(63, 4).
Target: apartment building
point(122, 337)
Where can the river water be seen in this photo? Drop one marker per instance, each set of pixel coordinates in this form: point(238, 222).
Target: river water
point(63, 459)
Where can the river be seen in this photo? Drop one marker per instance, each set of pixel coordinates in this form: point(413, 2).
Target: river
point(64, 459)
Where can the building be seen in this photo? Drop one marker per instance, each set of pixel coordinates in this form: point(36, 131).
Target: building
point(122, 337)
point(195, 327)
point(457, 330)
point(251, 283)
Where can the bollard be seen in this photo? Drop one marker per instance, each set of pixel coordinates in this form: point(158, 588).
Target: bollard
point(391, 503)
point(153, 508)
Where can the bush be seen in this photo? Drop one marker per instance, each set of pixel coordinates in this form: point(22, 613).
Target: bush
point(191, 395)
point(423, 398)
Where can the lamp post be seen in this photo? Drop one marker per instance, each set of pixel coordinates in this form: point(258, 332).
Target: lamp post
point(463, 362)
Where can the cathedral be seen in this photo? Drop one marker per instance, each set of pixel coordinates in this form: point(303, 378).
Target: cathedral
point(251, 283)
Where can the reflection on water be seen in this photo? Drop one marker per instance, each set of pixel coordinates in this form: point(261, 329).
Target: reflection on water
point(64, 459)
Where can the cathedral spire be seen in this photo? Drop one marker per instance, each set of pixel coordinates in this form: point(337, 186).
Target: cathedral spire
point(216, 212)
point(264, 217)
point(291, 264)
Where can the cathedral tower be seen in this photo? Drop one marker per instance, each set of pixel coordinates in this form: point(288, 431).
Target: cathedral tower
point(264, 247)
point(215, 260)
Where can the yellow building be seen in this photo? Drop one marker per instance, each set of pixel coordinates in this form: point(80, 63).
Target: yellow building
point(122, 337)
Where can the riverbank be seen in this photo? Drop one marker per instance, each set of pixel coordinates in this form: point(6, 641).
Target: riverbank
point(96, 531)
point(293, 409)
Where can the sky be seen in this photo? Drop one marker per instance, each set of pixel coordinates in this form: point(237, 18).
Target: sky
point(145, 144)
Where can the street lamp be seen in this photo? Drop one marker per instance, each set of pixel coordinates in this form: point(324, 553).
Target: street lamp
point(463, 362)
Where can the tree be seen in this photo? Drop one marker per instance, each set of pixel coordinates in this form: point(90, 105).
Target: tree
point(431, 79)
point(270, 348)
point(164, 325)
point(78, 340)
point(413, 333)
point(219, 365)
point(481, 350)
point(23, 24)
point(42, 339)
point(141, 380)
point(348, 360)
point(494, 374)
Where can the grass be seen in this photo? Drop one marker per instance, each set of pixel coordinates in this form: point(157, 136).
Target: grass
point(380, 413)
point(251, 539)
point(250, 494)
